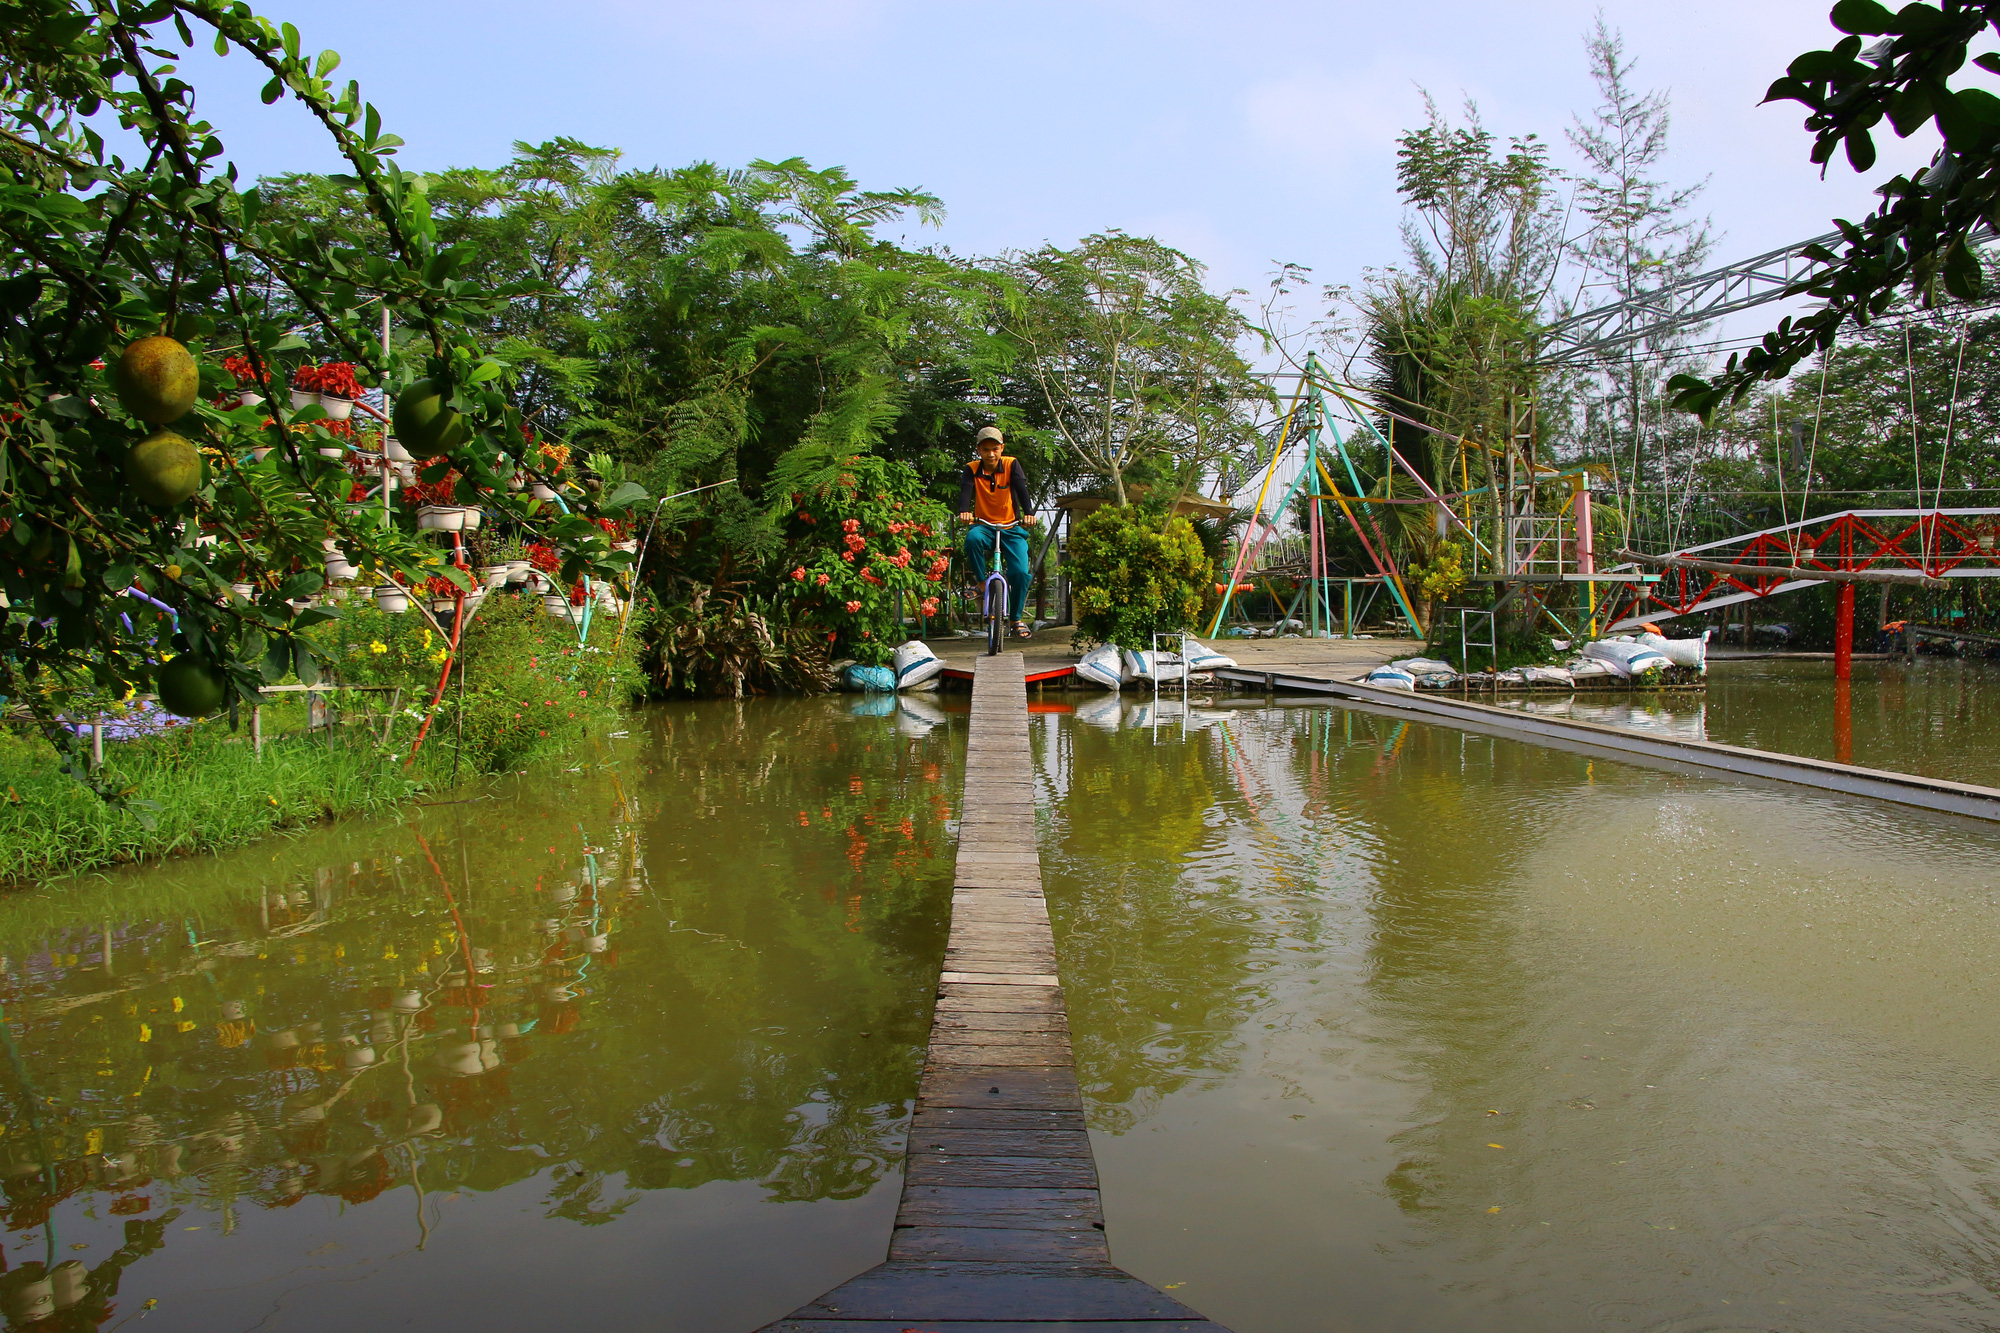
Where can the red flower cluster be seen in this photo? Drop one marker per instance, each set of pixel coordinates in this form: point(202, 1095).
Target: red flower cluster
point(543, 557)
point(335, 378)
point(440, 587)
point(577, 596)
point(240, 367)
point(799, 574)
point(852, 607)
point(441, 492)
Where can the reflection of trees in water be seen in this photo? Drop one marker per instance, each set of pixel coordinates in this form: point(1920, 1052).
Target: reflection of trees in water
point(1459, 818)
point(711, 962)
point(1181, 872)
point(1158, 961)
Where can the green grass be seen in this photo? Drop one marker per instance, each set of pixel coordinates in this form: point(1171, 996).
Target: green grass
point(211, 789)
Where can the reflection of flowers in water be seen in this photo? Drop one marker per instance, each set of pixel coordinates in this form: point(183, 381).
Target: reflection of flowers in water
point(534, 1027)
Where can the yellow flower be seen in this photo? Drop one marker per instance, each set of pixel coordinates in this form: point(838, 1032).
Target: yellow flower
point(437, 658)
point(377, 646)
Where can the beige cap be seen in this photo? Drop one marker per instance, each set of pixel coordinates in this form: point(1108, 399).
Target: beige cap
point(987, 433)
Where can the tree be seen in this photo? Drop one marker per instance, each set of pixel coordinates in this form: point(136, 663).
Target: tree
point(102, 252)
point(1918, 239)
point(1451, 337)
point(1133, 358)
point(1641, 237)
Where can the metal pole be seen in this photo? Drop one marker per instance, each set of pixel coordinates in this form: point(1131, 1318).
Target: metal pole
point(257, 729)
point(386, 469)
point(97, 743)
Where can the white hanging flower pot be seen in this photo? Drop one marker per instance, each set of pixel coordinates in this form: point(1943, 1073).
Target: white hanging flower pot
point(249, 397)
point(517, 571)
point(337, 409)
point(395, 452)
point(557, 604)
point(544, 493)
point(392, 598)
point(303, 398)
point(441, 518)
point(474, 516)
point(494, 576)
point(333, 451)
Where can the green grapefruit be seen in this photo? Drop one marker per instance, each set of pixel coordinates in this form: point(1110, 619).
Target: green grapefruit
point(191, 686)
point(163, 468)
point(157, 380)
point(425, 424)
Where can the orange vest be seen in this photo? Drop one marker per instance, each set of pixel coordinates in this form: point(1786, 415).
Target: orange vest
point(993, 497)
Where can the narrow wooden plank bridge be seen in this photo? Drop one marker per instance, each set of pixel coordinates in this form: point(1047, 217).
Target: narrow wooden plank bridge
point(1000, 1230)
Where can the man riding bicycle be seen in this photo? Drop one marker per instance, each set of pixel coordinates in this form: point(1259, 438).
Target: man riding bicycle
point(993, 499)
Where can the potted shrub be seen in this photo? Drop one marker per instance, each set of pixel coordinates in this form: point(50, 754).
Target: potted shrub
point(246, 379)
point(337, 389)
point(305, 387)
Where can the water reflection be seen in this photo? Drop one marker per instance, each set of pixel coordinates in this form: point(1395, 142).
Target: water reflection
point(637, 997)
point(1938, 717)
point(1389, 1026)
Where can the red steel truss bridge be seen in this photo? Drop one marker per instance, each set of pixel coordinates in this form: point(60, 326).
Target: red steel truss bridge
point(1934, 543)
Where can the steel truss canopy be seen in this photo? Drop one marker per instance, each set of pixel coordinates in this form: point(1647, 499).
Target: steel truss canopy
point(1696, 300)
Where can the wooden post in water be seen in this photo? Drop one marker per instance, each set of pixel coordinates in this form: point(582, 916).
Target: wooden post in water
point(1000, 1223)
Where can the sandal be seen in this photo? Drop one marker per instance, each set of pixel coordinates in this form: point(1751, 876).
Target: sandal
point(1021, 630)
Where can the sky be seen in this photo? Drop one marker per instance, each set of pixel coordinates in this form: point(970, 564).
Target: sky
point(1245, 133)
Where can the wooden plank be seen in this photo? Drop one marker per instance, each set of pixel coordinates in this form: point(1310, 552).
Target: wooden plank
point(990, 1243)
point(1025, 1088)
point(1003, 1142)
point(1036, 1209)
point(1054, 1054)
point(932, 1119)
point(953, 1024)
point(1049, 1173)
point(1003, 978)
point(955, 1289)
point(987, 1325)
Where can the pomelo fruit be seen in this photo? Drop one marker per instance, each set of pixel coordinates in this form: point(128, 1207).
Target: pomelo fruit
point(157, 380)
point(424, 423)
point(163, 469)
point(191, 686)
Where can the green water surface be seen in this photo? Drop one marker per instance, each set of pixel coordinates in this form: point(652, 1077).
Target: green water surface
point(1938, 716)
point(627, 1045)
point(1385, 1027)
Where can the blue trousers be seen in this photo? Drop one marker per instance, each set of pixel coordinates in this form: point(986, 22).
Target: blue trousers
point(1013, 544)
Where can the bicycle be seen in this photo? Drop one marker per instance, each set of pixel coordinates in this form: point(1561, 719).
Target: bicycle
point(993, 602)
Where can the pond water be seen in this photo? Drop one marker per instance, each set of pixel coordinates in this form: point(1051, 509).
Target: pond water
point(1380, 1026)
point(631, 1044)
point(1385, 1026)
point(1938, 717)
